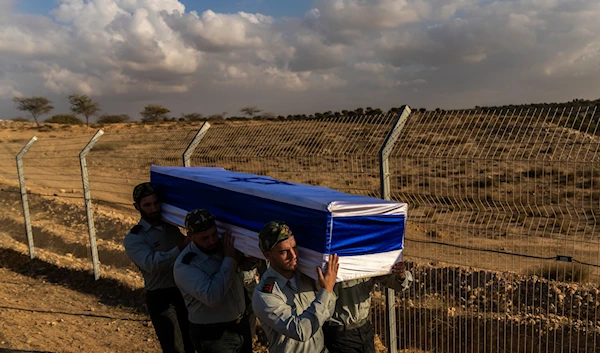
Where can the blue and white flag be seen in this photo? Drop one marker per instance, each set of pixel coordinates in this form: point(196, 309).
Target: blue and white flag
point(367, 233)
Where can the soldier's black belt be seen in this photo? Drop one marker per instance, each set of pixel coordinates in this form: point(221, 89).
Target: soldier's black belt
point(352, 326)
point(220, 325)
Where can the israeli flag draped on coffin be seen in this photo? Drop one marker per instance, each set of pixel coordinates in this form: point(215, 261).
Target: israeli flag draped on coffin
point(367, 233)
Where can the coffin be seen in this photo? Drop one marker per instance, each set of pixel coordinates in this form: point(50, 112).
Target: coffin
point(367, 233)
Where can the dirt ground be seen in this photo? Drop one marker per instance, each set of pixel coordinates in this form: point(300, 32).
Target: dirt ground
point(42, 312)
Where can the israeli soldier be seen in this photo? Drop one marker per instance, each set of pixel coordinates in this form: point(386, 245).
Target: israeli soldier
point(210, 279)
point(349, 329)
point(291, 307)
point(153, 245)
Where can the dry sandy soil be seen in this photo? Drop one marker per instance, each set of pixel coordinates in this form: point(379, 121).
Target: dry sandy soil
point(46, 309)
point(52, 304)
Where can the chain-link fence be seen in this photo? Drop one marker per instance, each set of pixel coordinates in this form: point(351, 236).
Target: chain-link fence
point(340, 153)
point(116, 163)
point(10, 194)
point(511, 196)
point(120, 160)
point(503, 205)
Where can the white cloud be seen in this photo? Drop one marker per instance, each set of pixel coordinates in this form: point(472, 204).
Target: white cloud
point(312, 14)
point(220, 32)
point(375, 68)
point(366, 14)
point(312, 53)
point(8, 89)
point(337, 55)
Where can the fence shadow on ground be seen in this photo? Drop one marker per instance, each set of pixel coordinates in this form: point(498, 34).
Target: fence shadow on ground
point(108, 291)
point(47, 240)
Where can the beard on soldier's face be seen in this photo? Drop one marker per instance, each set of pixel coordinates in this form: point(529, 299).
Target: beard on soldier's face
point(154, 216)
point(210, 250)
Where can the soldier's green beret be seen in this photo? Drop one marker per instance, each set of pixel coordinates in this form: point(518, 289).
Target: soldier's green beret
point(142, 190)
point(273, 233)
point(199, 220)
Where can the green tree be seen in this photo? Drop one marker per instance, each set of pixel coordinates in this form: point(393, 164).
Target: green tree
point(192, 116)
point(153, 113)
point(113, 119)
point(36, 106)
point(67, 119)
point(250, 111)
point(84, 105)
point(220, 117)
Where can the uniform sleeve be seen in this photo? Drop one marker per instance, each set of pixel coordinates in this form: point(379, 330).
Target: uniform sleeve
point(146, 258)
point(209, 290)
point(393, 282)
point(331, 305)
point(272, 310)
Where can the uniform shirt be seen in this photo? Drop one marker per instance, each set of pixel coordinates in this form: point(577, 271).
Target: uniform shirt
point(154, 250)
point(292, 317)
point(354, 297)
point(211, 285)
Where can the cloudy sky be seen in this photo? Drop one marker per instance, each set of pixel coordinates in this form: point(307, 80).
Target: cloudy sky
point(298, 56)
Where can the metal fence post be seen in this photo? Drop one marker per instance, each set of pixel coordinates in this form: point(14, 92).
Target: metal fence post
point(187, 154)
point(24, 200)
point(384, 174)
point(88, 201)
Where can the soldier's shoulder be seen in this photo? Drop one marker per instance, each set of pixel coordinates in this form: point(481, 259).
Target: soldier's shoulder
point(268, 295)
point(187, 258)
point(136, 229)
point(267, 285)
point(133, 237)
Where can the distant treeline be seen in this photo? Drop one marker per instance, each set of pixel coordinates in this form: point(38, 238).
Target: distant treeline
point(575, 103)
point(86, 107)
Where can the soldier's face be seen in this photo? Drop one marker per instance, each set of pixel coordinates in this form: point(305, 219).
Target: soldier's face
point(149, 207)
point(207, 241)
point(284, 256)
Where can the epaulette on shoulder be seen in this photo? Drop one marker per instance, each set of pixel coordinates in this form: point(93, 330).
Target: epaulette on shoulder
point(136, 229)
point(187, 258)
point(268, 285)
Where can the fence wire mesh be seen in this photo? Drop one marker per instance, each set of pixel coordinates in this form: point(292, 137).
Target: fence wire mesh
point(9, 149)
point(340, 153)
point(51, 168)
point(507, 192)
point(12, 216)
point(121, 160)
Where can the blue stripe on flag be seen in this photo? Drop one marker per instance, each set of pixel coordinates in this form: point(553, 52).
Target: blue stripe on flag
point(246, 211)
point(367, 234)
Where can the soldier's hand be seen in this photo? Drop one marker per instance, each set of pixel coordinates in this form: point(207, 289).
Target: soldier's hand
point(327, 281)
point(184, 243)
point(399, 270)
point(227, 241)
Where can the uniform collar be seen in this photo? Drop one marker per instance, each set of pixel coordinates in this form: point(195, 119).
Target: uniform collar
point(282, 281)
point(201, 254)
point(146, 225)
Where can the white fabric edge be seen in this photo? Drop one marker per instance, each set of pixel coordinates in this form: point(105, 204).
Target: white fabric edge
point(343, 209)
point(351, 267)
point(363, 207)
